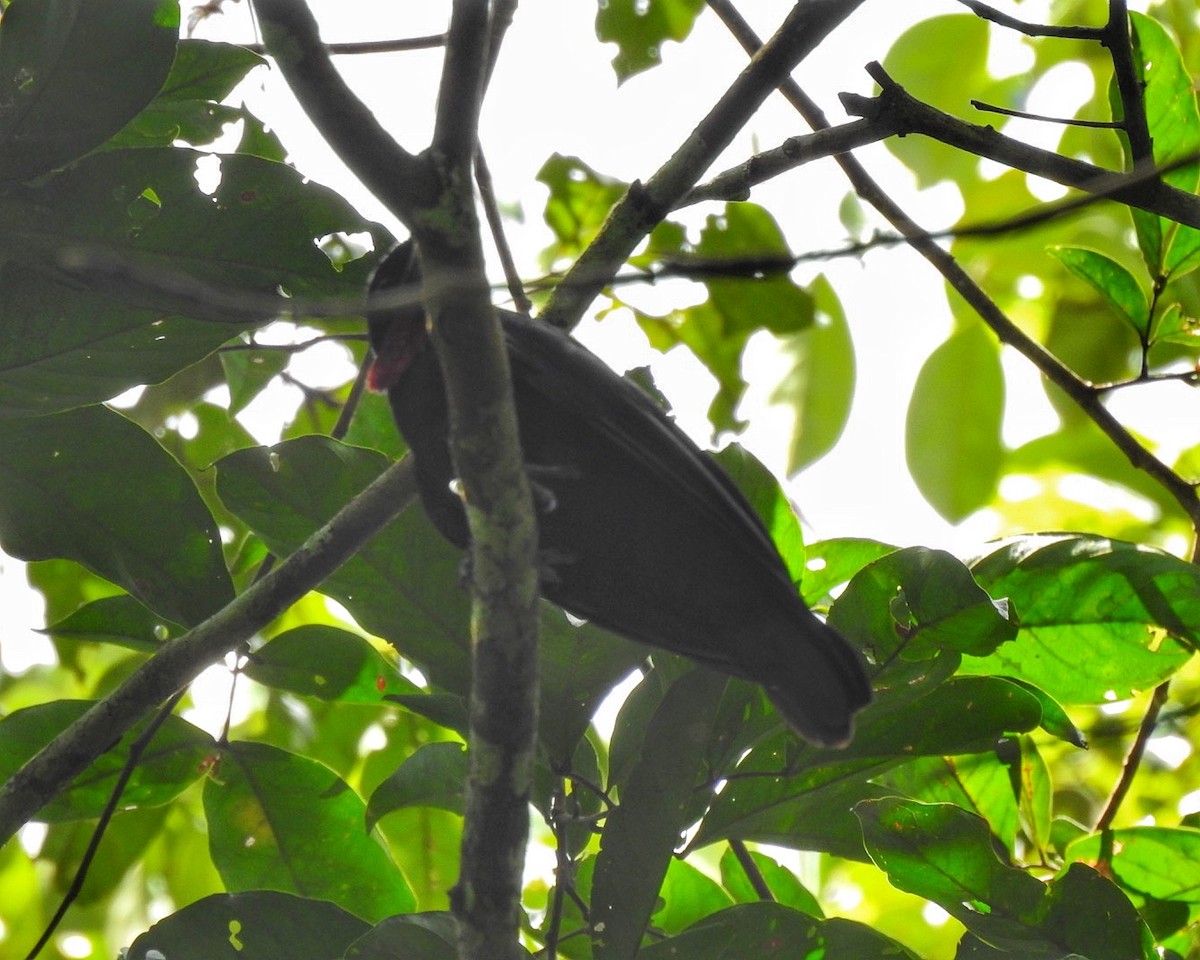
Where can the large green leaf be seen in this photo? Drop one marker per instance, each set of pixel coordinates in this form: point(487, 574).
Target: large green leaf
point(917, 602)
point(189, 107)
point(744, 298)
point(820, 385)
point(65, 342)
point(642, 832)
point(318, 660)
point(803, 800)
point(264, 924)
point(952, 438)
point(280, 821)
point(945, 854)
point(578, 205)
point(168, 765)
point(435, 775)
point(66, 490)
point(771, 930)
point(1099, 618)
point(1151, 863)
point(73, 72)
point(1111, 280)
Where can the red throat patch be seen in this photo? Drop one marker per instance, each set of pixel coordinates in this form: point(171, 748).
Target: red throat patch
point(401, 344)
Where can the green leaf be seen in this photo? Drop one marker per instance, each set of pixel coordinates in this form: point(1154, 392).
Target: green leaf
point(643, 831)
point(282, 822)
point(803, 800)
point(579, 201)
point(783, 884)
point(819, 387)
point(66, 492)
point(771, 930)
point(65, 342)
point(419, 936)
point(1169, 249)
point(1054, 718)
point(189, 107)
point(1099, 618)
point(923, 59)
point(1035, 796)
point(1175, 326)
point(742, 299)
point(402, 586)
point(264, 924)
point(316, 660)
point(952, 441)
point(640, 28)
point(917, 602)
point(982, 784)
point(687, 897)
point(117, 620)
point(946, 855)
point(832, 563)
point(1151, 863)
point(770, 503)
point(73, 72)
point(1109, 279)
point(169, 764)
point(248, 371)
point(435, 775)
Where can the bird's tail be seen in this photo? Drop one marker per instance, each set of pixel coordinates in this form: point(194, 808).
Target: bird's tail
point(818, 683)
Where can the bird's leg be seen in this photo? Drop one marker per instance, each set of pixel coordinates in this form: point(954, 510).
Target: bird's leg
point(544, 498)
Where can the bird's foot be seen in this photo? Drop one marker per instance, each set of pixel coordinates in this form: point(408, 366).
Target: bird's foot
point(548, 562)
point(541, 477)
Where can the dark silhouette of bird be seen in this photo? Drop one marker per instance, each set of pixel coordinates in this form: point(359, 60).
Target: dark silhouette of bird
point(639, 531)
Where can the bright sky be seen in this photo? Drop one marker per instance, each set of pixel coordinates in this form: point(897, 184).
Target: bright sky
point(554, 91)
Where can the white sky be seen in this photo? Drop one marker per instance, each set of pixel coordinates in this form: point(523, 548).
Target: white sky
point(554, 91)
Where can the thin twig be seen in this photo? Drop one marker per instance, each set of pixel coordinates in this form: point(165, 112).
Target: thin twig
point(400, 45)
point(986, 12)
point(750, 868)
point(1134, 758)
point(136, 749)
point(1041, 118)
point(491, 210)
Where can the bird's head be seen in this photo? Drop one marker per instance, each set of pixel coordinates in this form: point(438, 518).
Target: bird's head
point(396, 327)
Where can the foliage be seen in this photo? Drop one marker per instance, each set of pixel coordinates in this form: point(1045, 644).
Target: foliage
point(988, 782)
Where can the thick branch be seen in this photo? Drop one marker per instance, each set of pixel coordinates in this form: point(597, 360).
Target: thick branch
point(456, 128)
point(487, 458)
point(1134, 189)
point(179, 661)
point(400, 180)
point(735, 183)
point(644, 205)
point(432, 195)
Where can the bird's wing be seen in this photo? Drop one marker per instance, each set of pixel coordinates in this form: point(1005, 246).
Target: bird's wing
point(572, 377)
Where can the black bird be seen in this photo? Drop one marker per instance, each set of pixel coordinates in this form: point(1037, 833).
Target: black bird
point(640, 531)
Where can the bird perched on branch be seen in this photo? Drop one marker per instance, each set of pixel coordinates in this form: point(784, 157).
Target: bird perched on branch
point(640, 532)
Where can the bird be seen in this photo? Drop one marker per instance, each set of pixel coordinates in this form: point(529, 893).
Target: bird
point(639, 531)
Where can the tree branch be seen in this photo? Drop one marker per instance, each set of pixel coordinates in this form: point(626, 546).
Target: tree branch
point(401, 181)
point(1134, 189)
point(179, 661)
point(735, 183)
point(432, 195)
